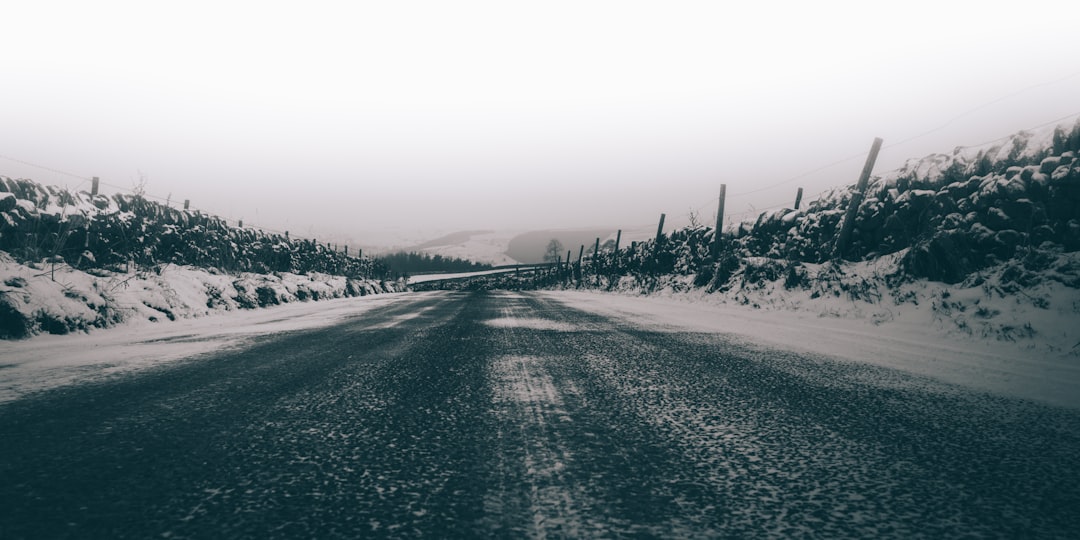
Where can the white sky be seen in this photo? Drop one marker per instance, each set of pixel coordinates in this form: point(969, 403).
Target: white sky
point(353, 118)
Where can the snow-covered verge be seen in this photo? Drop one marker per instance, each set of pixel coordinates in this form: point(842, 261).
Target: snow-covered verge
point(37, 298)
point(46, 362)
point(1032, 303)
point(916, 339)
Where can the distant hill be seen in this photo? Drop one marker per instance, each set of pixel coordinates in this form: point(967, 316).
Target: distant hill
point(480, 246)
point(530, 247)
point(451, 239)
point(502, 248)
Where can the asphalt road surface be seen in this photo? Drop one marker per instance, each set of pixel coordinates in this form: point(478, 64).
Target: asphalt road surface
point(509, 415)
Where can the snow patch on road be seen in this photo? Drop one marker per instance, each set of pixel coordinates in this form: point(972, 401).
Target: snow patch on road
point(397, 320)
point(525, 395)
point(530, 323)
point(521, 380)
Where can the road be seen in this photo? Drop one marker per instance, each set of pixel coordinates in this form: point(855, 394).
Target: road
point(497, 414)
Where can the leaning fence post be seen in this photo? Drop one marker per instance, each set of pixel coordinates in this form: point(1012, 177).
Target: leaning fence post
point(719, 220)
point(798, 198)
point(856, 199)
point(578, 271)
point(596, 261)
point(660, 231)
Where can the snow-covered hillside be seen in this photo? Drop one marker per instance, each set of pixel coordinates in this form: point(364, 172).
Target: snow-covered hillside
point(486, 247)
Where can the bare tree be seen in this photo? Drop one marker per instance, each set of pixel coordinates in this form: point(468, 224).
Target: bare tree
point(138, 188)
point(554, 251)
point(695, 221)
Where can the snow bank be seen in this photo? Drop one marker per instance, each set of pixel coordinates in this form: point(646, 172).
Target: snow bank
point(915, 338)
point(58, 299)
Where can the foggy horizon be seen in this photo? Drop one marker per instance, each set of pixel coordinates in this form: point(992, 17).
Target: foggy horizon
point(362, 121)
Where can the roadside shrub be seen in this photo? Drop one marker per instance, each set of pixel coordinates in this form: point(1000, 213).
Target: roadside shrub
point(13, 324)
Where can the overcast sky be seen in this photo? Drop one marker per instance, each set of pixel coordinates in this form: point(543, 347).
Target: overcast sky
point(354, 118)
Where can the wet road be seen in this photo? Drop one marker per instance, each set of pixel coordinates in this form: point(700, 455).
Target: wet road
point(508, 415)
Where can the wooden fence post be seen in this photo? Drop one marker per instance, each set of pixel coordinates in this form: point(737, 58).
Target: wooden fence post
point(798, 198)
point(596, 261)
point(187, 204)
point(578, 273)
point(618, 237)
point(856, 199)
point(718, 232)
point(660, 231)
point(240, 225)
point(94, 186)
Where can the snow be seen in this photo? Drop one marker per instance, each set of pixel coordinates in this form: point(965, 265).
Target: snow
point(909, 342)
point(530, 323)
point(489, 248)
point(77, 300)
point(46, 362)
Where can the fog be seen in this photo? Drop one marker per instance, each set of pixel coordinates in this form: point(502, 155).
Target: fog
point(380, 120)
